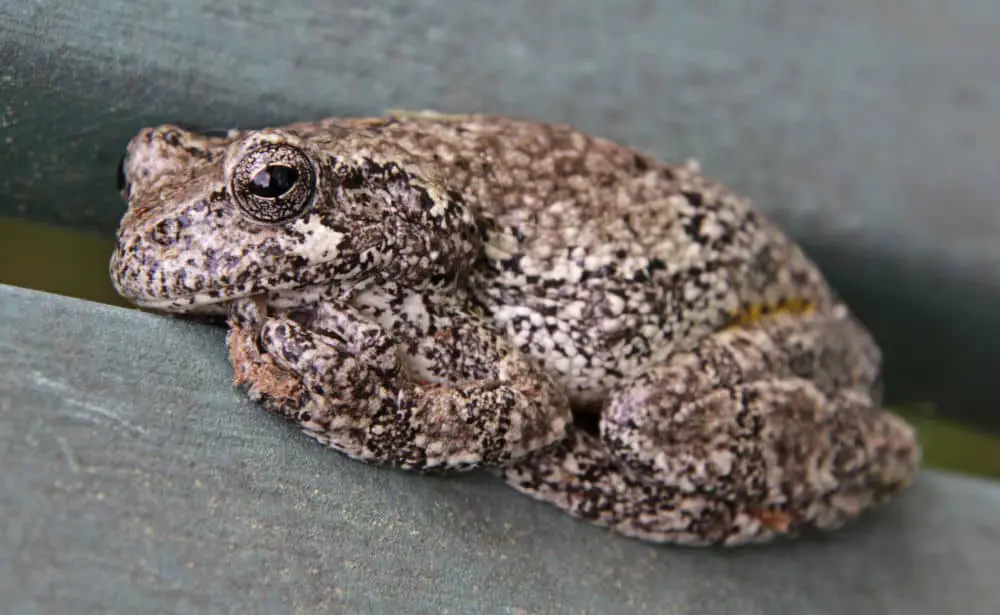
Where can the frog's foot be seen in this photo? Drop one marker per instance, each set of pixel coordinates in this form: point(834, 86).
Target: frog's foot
point(341, 379)
point(759, 432)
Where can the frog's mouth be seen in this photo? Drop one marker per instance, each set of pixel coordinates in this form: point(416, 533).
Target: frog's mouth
point(200, 281)
point(156, 289)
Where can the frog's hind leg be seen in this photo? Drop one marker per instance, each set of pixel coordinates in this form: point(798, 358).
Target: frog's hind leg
point(756, 432)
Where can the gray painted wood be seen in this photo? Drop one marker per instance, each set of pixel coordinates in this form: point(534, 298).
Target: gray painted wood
point(135, 479)
point(852, 120)
point(868, 128)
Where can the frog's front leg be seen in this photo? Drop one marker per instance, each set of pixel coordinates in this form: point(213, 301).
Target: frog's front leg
point(342, 379)
point(756, 432)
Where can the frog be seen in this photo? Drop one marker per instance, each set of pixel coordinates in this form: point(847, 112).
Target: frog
point(610, 333)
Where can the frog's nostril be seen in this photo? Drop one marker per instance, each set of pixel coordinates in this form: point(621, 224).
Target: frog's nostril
point(122, 180)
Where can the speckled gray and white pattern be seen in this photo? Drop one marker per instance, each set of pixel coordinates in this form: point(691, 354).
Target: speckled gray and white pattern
point(449, 292)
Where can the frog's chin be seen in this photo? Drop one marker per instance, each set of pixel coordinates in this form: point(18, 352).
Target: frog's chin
point(190, 305)
point(220, 303)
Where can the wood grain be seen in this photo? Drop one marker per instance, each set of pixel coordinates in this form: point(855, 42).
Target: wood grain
point(136, 479)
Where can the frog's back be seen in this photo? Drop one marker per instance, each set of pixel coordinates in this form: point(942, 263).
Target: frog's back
point(596, 248)
point(535, 175)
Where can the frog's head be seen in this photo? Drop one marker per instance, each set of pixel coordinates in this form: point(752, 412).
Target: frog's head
point(213, 218)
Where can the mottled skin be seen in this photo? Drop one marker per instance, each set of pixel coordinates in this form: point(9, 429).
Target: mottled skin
point(449, 292)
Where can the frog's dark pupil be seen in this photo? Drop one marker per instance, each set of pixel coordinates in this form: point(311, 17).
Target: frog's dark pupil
point(273, 181)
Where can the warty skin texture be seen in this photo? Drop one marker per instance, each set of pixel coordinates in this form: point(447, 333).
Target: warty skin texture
point(450, 292)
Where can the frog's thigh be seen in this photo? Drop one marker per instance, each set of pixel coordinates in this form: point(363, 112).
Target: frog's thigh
point(736, 441)
point(831, 351)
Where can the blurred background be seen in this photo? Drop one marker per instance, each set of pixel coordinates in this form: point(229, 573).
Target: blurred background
point(869, 129)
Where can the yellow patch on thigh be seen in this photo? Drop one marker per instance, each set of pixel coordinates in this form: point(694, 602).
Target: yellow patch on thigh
point(752, 313)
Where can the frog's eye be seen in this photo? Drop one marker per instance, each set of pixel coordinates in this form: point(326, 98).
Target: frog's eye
point(274, 183)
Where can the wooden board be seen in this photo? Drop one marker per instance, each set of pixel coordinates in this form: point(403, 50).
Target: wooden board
point(135, 479)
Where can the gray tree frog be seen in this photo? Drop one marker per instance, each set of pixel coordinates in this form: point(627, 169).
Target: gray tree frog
point(620, 337)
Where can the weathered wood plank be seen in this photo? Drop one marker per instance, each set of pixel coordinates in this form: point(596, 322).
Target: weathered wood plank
point(136, 480)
